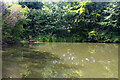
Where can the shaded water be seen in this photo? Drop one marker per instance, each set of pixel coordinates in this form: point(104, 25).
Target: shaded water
point(61, 60)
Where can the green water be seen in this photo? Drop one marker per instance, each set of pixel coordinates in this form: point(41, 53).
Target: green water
point(60, 60)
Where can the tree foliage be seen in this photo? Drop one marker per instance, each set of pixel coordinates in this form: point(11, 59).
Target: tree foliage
point(63, 21)
point(12, 22)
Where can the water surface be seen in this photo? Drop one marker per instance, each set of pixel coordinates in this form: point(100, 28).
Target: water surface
point(61, 60)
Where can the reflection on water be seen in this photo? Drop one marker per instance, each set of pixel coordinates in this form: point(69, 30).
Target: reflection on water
point(61, 60)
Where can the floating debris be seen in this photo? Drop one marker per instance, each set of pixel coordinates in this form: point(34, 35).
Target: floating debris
point(82, 60)
point(69, 58)
point(59, 62)
point(94, 60)
point(76, 63)
point(72, 58)
point(63, 54)
point(86, 59)
point(72, 62)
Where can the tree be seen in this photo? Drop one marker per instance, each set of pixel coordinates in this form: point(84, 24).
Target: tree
point(13, 18)
point(32, 5)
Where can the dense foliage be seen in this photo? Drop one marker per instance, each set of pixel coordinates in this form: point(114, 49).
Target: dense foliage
point(12, 22)
point(63, 21)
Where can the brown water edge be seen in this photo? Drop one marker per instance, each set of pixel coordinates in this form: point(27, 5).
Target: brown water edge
point(61, 60)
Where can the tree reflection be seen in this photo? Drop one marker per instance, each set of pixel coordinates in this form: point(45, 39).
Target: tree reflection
point(68, 61)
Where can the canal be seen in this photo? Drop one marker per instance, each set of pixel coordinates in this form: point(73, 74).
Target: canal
point(60, 60)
